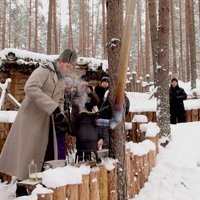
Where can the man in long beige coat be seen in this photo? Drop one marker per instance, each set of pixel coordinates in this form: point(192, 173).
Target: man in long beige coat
point(29, 135)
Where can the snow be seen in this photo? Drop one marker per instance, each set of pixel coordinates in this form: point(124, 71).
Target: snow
point(141, 148)
point(7, 116)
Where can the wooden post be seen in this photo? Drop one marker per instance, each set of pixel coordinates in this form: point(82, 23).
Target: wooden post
point(146, 167)
point(94, 185)
point(103, 180)
point(72, 192)
point(134, 132)
point(188, 115)
point(141, 171)
point(48, 196)
point(84, 188)
point(132, 188)
point(112, 184)
point(137, 173)
point(59, 193)
point(128, 165)
point(195, 115)
point(155, 141)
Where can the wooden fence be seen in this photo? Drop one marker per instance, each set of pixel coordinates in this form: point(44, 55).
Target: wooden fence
point(101, 184)
point(191, 115)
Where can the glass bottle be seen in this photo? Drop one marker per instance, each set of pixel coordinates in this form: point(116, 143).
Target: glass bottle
point(32, 169)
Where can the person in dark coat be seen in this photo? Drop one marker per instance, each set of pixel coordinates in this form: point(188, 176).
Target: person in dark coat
point(83, 101)
point(105, 112)
point(177, 95)
point(101, 89)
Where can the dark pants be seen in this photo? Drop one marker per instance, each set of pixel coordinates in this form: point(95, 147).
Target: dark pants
point(61, 146)
point(49, 155)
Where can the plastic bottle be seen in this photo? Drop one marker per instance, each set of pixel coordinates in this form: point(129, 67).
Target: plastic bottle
point(32, 169)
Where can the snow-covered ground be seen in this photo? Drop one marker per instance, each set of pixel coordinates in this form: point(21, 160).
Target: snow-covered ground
point(177, 172)
point(176, 175)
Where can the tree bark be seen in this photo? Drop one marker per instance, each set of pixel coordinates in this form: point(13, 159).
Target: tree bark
point(55, 28)
point(49, 31)
point(114, 30)
point(163, 116)
point(187, 46)
point(147, 38)
point(192, 47)
point(4, 26)
point(154, 35)
point(104, 51)
point(36, 26)
point(29, 25)
point(174, 67)
point(181, 64)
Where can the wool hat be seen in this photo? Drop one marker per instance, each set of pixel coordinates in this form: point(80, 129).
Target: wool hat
point(84, 77)
point(174, 79)
point(105, 78)
point(68, 56)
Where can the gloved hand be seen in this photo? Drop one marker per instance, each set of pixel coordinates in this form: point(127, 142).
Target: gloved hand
point(57, 110)
point(58, 118)
point(58, 115)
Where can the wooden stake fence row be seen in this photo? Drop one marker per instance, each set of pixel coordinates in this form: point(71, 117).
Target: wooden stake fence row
point(191, 115)
point(101, 184)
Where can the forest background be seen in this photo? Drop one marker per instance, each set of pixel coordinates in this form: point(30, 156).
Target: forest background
point(50, 26)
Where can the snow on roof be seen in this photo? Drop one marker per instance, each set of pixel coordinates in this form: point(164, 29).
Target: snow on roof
point(24, 55)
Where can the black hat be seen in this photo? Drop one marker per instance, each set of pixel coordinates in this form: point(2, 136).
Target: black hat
point(84, 77)
point(105, 78)
point(174, 79)
point(68, 56)
point(89, 86)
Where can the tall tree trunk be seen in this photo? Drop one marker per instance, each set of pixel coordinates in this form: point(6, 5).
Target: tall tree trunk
point(4, 27)
point(147, 38)
point(96, 31)
point(9, 31)
point(192, 47)
point(175, 69)
point(70, 37)
point(181, 64)
point(187, 46)
point(88, 29)
point(142, 69)
point(104, 52)
point(36, 26)
point(29, 26)
point(154, 35)
point(199, 12)
point(49, 31)
point(55, 28)
point(92, 37)
point(114, 30)
point(163, 116)
point(81, 27)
